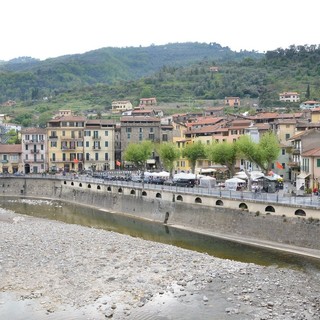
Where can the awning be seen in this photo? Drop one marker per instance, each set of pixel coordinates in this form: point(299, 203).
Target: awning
point(303, 175)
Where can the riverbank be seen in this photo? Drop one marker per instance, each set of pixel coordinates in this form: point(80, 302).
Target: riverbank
point(54, 270)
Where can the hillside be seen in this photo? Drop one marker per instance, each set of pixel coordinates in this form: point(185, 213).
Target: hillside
point(179, 76)
point(29, 79)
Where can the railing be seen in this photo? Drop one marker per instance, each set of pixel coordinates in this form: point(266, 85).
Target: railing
point(280, 197)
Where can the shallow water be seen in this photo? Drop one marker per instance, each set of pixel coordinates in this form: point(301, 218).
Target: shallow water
point(158, 232)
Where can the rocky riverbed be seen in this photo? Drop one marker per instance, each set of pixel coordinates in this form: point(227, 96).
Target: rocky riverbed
point(52, 270)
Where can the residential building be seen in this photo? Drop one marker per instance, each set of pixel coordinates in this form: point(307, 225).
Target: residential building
point(65, 143)
point(99, 145)
point(315, 115)
point(232, 101)
point(10, 158)
point(34, 150)
point(121, 106)
point(310, 104)
point(135, 129)
point(289, 96)
point(299, 165)
point(310, 169)
point(147, 102)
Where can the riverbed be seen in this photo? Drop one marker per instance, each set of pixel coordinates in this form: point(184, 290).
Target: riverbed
point(54, 270)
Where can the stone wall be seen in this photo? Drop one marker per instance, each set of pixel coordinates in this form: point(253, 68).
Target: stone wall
point(164, 206)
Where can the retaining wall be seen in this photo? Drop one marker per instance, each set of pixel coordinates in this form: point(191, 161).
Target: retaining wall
point(200, 213)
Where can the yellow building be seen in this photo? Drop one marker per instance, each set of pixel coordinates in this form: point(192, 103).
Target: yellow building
point(10, 158)
point(99, 145)
point(65, 143)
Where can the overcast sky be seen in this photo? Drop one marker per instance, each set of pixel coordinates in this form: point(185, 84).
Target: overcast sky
point(50, 28)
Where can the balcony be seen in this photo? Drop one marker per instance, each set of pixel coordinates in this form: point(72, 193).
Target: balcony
point(96, 148)
point(34, 160)
point(34, 151)
point(96, 137)
point(68, 148)
point(296, 151)
point(53, 137)
point(294, 165)
point(4, 161)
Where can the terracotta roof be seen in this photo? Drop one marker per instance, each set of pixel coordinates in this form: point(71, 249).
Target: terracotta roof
point(315, 152)
point(139, 118)
point(10, 148)
point(33, 131)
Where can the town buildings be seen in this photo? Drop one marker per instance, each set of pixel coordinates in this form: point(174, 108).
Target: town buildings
point(73, 143)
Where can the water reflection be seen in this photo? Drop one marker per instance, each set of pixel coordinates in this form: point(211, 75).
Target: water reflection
point(91, 217)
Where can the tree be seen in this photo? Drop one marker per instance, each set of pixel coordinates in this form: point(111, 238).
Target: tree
point(225, 154)
point(264, 153)
point(139, 153)
point(169, 153)
point(193, 152)
point(308, 92)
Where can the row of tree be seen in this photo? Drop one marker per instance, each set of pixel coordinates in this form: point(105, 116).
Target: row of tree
point(262, 154)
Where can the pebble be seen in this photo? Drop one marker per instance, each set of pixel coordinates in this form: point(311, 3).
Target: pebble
point(60, 265)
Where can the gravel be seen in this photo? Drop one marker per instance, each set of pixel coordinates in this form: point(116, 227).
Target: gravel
point(68, 271)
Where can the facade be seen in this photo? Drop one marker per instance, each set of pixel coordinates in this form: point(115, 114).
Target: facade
point(34, 150)
point(232, 101)
point(65, 143)
point(289, 96)
point(10, 158)
point(147, 102)
point(138, 129)
point(310, 104)
point(121, 106)
point(99, 145)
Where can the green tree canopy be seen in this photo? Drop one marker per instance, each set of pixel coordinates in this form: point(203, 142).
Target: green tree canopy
point(139, 153)
point(169, 153)
point(223, 153)
point(264, 153)
point(193, 152)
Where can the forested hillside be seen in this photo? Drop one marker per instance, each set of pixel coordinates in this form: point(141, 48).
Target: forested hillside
point(26, 78)
point(173, 74)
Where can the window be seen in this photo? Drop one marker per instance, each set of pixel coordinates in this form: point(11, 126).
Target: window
point(140, 130)
point(95, 134)
point(73, 134)
point(106, 144)
point(140, 137)
point(27, 137)
point(96, 156)
point(318, 163)
point(27, 147)
point(64, 157)
point(151, 129)
point(106, 133)
point(287, 136)
point(128, 135)
point(63, 133)
point(283, 151)
point(151, 136)
point(128, 129)
point(87, 133)
point(164, 137)
point(87, 156)
point(283, 165)
point(53, 157)
point(87, 144)
point(80, 143)
point(106, 156)
point(53, 144)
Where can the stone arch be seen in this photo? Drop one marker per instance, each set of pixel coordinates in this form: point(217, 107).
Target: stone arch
point(198, 200)
point(64, 182)
point(133, 192)
point(120, 190)
point(179, 198)
point(89, 186)
point(98, 187)
point(144, 193)
point(300, 212)
point(73, 184)
point(80, 184)
point(243, 206)
point(270, 209)
point(109, 188)
point(158, 195)
point(219, 203)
